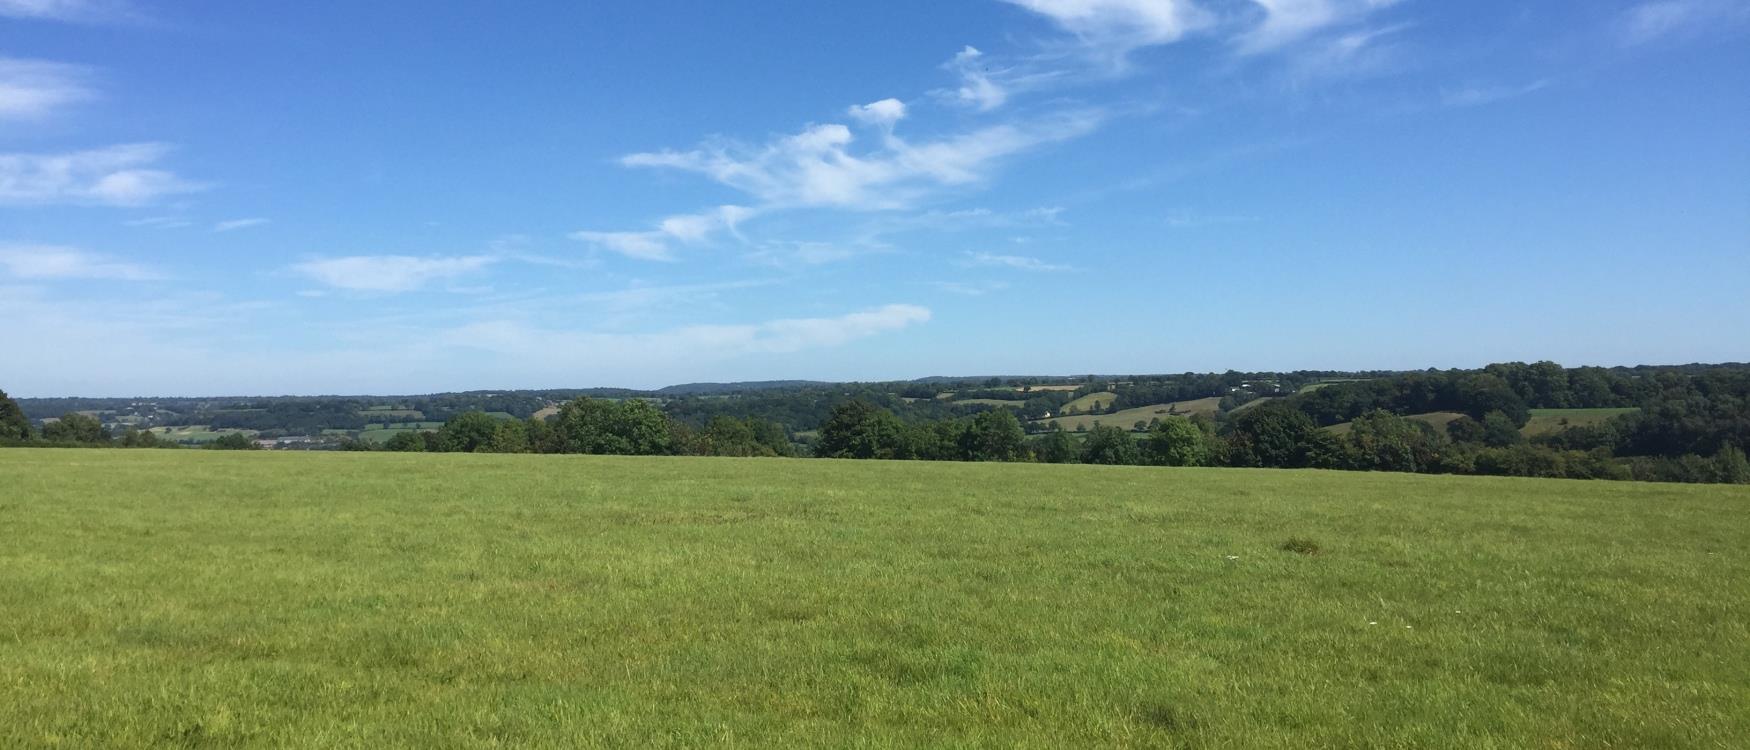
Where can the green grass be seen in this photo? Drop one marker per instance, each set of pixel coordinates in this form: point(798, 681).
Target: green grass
point(164, 598)
point(1127, 418)
point(1100, 400)
point(1545, 421)
point(382, 434)
point(199, 434)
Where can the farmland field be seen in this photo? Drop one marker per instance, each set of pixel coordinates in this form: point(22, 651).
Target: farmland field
point(1555, 420)
point(1099, 400)
point(194, 433)
point(183, 598)
point(1127, 418)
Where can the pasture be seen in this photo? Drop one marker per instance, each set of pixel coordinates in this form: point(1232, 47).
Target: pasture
point(1127, 418)
point(1100, 400)
point(201, 598)
point(199, 434)
point(1544, 421)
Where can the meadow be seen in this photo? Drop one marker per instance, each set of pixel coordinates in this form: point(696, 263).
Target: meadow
point(1544, 421)
point(262, 599)
point(1127, 418)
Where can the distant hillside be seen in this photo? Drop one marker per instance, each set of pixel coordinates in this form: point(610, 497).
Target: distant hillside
point(708, 389)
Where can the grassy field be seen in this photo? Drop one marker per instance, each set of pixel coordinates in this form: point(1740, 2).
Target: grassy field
point(1100, 400)
point(195, 598)
point(1555, 420)
point(199, 434)
point(1127, 418)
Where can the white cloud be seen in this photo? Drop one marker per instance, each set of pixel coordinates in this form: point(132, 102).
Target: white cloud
point(1476, 96)
point(390, 273)
point(67, 10)
point(1288, 21)
point(236, 224)
point(1121, 25)
point(970, 289)
point(977, 87)
point(160, 222)
point(818, 167)
point(34, 89)
point(691, 343)
point(1018, 262)
point(1660, 19)
point(686, 228)
point(59, 262)
point(117, 175)
point(883, 113)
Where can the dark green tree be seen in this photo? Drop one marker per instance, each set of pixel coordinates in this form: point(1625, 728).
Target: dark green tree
point(1111, 446)
point(1057, 447)
point(233, 441)
point(74, 427)
point(406, 441)
point(995, 435)
point(859, 429)
point(1273, 435)
point(468, 432)
point(1175, 441)
point(14, 425)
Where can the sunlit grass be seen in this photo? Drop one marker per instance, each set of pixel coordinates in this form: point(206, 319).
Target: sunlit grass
point(373, 600)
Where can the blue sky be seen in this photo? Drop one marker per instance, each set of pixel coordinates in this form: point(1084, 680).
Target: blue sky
point(402, 197)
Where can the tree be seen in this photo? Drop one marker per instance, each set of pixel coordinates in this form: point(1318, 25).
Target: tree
point(14, 425)
point(468, 432)
point(859, 429)
point(1274, 435)
point(133, 438)
point(1483, 393)
point(995, 435)
point(74, 427)
point(406, 441)
point(509, 436)
point(1383, 441)
point(1057, 447)
point(234, 441)
point(1176, 441)
point(1499, 431)
point(632, 427)
point(1111, 446)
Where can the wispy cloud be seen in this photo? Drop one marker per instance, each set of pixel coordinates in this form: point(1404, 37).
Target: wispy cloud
point(390, 273)
point(34, 89)
point(518, 341)
point(821, 167)
point(1288, 21)
point(60, 262)
point(1663, 19)
point(978, 85)
point(160, 222)
point(655, 244)
point(1115, 27)
point(1476, 96)
point(84, 11)
point(118, 175)
point(236, 224)
point(970, 288)
point(1018, 262)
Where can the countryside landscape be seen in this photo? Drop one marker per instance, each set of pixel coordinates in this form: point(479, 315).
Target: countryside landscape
point(1181, 374)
